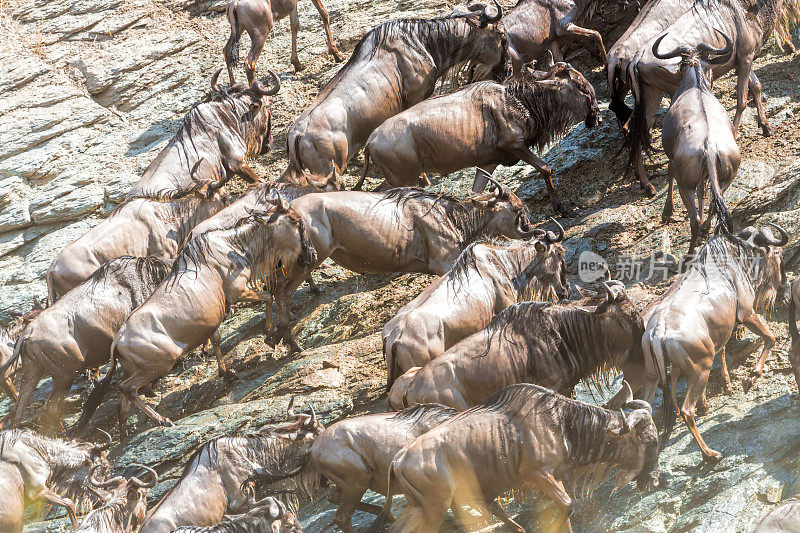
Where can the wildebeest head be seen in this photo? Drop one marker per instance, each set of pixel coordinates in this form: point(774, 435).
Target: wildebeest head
point(493, 38)
point(251, 103)
point(509, 215)
point(618, 309)
point(125, 501)
point(576, 93)
point(694, 57)
point(770, 282)
point(290, 241)
point(638, 450)
point(552, 268)
point(300, 428)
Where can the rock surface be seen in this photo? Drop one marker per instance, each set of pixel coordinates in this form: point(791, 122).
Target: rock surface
point(90, 90)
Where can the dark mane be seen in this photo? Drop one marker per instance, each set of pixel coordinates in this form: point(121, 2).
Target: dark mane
point(468, 217)
point(544, 114)
point(151, 270)
point(426, 414)
point(586, 360)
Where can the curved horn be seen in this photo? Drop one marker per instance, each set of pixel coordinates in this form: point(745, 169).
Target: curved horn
point(502, 190)
point(257, 87)
point(214, 86)
point(608, 291)
point(497, 15)
point(107, 445)
point(762, 239)
point(527, 234)
point(679, 51)
point(552, 238)
point(628, 392)
point(721, 53)
point(637, 416)
point(312, 421)
point(638, 404)
point(96, 483)
point(141, 484)
point(290, 410)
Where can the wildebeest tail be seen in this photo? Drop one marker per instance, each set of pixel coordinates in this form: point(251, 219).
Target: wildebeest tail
point(364, 172)
point(51, 288)
point(232, 58)
point(294, 158)
point(637, 134)
point(710, 169)
point(18, 347)
point(793, 332)
point(98, 393)
point(659, 353)
point(383, 516)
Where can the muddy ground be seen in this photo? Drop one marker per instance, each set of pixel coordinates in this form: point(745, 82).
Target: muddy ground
point(342, 370)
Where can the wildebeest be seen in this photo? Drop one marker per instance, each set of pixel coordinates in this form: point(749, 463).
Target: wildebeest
point(783, 519)
point(177, 190)
point(794, 351)
point(211, 482)
point(552, 345)
point(731, 277)
point(698, 137)
point(484, 124)
point(257, 17)
point(124, 503)
point(402, 230)
point(486, 278)
point(265, 516)
point(36, 468)
point(535, 26)
point(633, 67)
point(394, 66)
point(523, 436)
point(8, 339)
point(214, 270)
point(355, 453)
point(75, 333)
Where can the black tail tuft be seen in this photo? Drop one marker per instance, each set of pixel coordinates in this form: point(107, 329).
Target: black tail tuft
point(637, 139)
point(364, 173)
point(96, 396)
point(793, 333)
point(668, 410)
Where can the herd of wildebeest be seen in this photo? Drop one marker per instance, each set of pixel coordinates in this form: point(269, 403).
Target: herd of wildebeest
point(482, 365)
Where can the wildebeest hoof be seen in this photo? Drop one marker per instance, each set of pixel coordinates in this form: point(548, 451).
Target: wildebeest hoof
point(167, 423)
point(712, 457)
point(228, 375)
point(766, 130)
point(747, 383)
point(649, 190)
point(298, 67)
point(337, 56)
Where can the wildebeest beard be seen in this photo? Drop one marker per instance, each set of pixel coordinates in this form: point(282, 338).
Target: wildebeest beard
point(469, 219)
point(63, 459)
point(542, 110)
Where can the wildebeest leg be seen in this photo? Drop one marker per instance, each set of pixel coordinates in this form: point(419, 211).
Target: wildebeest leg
point(496, 510)
point(523, 153)
point(123, 411)
point(755, 88)
point(294, 24)
point(283, 331)
point(216, 344)
point(756, 324)
point(243, 169)
point(743, 69)
point(344, 514)
point(688, 197)
point(591, 36)
point(31, 374)
point(326, 24)
point(554, 490)
point(724, 363)
point(61, 501)
point(669, 206)
point(8, 387)
point(52, 408)
point(480, 178)
point(696, 381)
point(258, 36)
point(651, 99)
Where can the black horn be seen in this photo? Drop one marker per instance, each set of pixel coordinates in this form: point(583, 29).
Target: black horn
point(764, 239)
point(679, 51)
point(257, 87)
point(214, 86)
point(96, 483)
point(722, 54)
point(312, 421)
point(528, 233)
point(553, 238)
point(497, 16)
point(141, 484)
point(290, 409)
point(107, 445)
